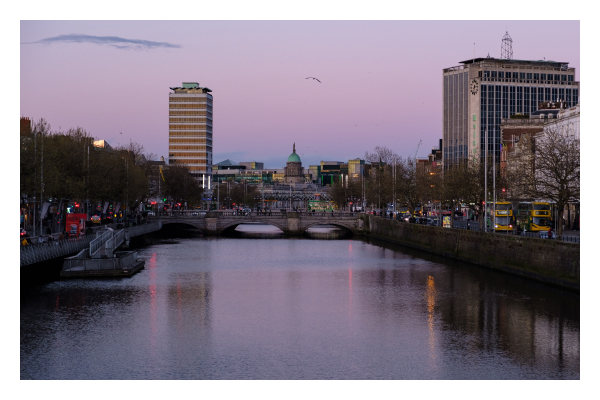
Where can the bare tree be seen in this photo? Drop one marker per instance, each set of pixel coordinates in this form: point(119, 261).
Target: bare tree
point(547, 167)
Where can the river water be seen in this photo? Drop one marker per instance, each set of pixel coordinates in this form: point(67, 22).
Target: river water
point(278, 308)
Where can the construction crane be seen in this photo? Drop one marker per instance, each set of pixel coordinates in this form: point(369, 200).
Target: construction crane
point(416, 151)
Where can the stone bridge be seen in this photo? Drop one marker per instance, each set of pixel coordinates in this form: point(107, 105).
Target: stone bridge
point(291, 223)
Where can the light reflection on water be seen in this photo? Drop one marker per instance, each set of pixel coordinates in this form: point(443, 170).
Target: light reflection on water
point(232, 308)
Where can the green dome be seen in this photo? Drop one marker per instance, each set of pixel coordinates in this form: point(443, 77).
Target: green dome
point(294, 158)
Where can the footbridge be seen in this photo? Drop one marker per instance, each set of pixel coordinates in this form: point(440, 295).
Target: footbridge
point(98, 244)
point(291, 223)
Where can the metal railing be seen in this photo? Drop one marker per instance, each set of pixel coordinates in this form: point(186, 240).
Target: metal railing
point(100, 241)
point(34, 253)
point(474, 226)
point(88, 264)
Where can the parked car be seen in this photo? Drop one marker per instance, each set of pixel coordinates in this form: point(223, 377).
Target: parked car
point(411, 220)
point(151, 213)
point(95, 219)
point(23, 232)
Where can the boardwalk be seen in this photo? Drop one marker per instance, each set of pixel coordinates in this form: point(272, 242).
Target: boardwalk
point(41, 252)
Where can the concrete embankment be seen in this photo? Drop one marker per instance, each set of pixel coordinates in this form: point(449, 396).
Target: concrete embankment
point(545, 260)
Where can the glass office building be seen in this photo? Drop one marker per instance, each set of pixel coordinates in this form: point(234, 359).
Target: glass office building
point(480, 92)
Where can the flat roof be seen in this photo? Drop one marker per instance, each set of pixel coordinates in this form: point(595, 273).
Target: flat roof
point(204, 89)
point(471, 61)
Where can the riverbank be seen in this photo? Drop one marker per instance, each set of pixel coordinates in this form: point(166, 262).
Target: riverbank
point(548, 261)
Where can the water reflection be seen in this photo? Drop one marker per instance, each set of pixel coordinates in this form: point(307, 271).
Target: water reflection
point(225, 308)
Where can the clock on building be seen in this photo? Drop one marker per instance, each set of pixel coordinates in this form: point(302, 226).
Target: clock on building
point(474, 87)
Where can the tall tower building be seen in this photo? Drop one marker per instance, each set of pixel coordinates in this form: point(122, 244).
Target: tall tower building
point(480, 92)
point(190, 128)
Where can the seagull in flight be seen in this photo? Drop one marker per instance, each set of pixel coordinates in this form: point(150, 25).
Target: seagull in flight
point(310, 77)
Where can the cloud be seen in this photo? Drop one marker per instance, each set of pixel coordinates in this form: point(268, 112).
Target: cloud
point(114, 41)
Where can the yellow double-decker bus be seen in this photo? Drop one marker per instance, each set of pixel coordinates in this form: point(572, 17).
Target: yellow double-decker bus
point(504, 219)
point(541, 217)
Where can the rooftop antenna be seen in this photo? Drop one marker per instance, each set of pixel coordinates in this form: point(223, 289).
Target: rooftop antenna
point(506, 52)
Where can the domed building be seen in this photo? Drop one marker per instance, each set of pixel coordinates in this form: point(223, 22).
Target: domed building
point(293, 172)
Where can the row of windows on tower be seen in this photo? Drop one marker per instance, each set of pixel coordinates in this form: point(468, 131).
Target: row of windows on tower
point(502, 101)
point(527, 75)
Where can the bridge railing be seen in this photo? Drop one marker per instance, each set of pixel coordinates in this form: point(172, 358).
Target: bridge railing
point(329, 214)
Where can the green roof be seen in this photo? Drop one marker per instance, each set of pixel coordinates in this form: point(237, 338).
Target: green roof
point(294, 158)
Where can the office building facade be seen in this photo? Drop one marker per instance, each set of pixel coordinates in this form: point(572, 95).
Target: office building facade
point(190, 128)
point(481, 92)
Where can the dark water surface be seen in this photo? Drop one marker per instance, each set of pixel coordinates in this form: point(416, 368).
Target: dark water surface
point(239, 308)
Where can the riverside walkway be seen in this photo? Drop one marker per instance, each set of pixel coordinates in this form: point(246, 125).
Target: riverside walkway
point(38, 252)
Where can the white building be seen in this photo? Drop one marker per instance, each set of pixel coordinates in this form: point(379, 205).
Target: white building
point(567, 121)
point(190, 128)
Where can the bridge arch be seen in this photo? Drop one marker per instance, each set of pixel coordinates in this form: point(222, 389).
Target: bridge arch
point(347, 226)
point(231, 225)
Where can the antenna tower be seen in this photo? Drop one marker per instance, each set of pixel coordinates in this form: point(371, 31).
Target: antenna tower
point(506, 53)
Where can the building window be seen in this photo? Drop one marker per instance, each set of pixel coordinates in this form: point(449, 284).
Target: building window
point(504, 101)
point(486, 74)
point(569, 99)
point(554, 94)
point(519, 99)
point(563, 78)
point(529, 75)
point(501, 74)
point(571, 77)
point(575, 97)
point(522, 75)
point(547, 94)
point(543, 77)
point(513, 101)
point(526, 99)
point(508, 75)
point(540, 95)
point(494, 74)
point(536, 76)
point(534, 105)
point(561, 94)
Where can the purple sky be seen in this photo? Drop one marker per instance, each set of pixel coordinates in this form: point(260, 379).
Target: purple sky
point(381, 80)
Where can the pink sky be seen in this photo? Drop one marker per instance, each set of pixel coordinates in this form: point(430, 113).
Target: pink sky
point(381, 80)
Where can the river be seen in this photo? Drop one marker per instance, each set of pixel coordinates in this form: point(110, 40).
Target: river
point(280, 308)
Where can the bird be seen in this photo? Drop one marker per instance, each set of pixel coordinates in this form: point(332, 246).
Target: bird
point(121, 133)
point(310, 77)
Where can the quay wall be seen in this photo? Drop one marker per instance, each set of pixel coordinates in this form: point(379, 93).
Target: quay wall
point(549, 261)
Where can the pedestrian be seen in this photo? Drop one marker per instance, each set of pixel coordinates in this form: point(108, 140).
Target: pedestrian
point(24, 242)
point(40, 239)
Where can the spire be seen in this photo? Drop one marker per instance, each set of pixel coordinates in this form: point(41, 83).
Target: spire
point(294, 147)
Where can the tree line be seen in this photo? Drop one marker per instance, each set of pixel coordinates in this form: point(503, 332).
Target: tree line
point(543, 167)
point(58, 164)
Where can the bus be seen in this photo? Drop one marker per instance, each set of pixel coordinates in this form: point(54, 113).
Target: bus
point(504, 219)
point(534, 217)
point(541, 217)
point(320, 205)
